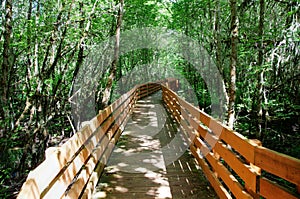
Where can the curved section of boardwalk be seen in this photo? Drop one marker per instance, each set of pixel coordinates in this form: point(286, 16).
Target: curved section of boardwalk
point(151, 160)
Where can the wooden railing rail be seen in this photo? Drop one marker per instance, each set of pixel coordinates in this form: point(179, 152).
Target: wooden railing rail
point(73, 169)
point(235, 166)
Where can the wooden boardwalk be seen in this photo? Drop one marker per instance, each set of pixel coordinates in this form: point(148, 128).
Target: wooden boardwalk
point(151, 159)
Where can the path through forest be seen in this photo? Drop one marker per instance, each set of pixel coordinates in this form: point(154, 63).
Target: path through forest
point(141, 165)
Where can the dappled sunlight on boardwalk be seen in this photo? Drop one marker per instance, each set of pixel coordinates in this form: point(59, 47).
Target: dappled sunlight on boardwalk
point(150, 159)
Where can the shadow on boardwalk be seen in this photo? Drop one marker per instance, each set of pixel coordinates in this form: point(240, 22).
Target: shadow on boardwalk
point(151, 159)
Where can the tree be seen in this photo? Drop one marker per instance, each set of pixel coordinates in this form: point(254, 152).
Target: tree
point(113, 70)
point(6, 57)
point(261, 92)
point(233, 64)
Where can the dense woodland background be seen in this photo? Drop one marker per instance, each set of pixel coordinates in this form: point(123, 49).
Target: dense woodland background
point(254, 43)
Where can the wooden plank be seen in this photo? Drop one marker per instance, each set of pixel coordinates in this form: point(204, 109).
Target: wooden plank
point(68, 172)
point(153, 90)
point(94, 158)
point(212, 140)
point(29, 189)
point(237, 141)
point(143, 91)
point(243, 171)
point(222, 172)
point(37, 180)
point(119, 124)
point(72, 153)
point(232, 183)
point(58, 154)
point(269, 189)
point(215, 183)
point(103, 114)
point(209, 138)
point(65, 159)
point(278, 164)
point(174, 109)
point(143, 95)
point(115, 134)
point(148, 89)
point(120, 101)
point(168, 106)
point(173, 84)
point(93, 123)
point(186, 115)
point(190, 135)
point(202, 116)
point(173, 101)
point(172, 94)
point(172, 113)
point(241, 144)
point(86, 172)
point(108, 110)
point(201, 146)
point(121, 108)
point(78, 187)
point(71, 171)
point(187, 136)
point(93, 180)
point(118, 110)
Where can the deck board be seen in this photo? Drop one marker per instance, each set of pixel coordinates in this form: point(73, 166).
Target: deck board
point(151, 160)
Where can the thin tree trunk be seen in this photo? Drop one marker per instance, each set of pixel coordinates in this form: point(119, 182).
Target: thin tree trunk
point(29, 59)
point(113, 69)
point(261, 73)
point(80, 57)
point(81, 43)
point(233, 64)
point(5, 68)
point(36, 46)
point(222, 90)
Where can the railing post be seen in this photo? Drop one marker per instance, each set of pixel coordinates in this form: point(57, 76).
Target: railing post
point(217, 156)
point(254, 193)
point(147, 86)
point(177, 85)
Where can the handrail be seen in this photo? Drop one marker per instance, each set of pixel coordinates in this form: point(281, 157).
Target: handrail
point(233, 164)
point(73, 169)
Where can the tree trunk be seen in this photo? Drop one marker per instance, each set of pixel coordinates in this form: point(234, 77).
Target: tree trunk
point(85, 31)
point(217, 33)
point(5, 68)
point(113, 69)
point(260, 75)
point(36, 46)
point(233, 64)
point(29, 59)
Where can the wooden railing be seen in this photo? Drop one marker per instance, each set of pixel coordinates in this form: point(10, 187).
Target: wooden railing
point(235, 166)
point(72, 170)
